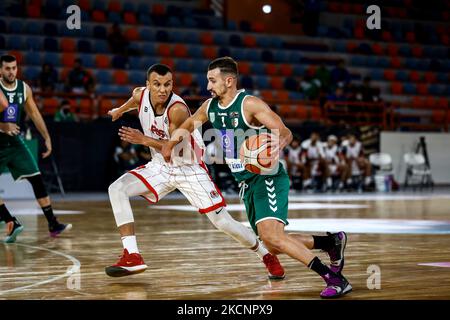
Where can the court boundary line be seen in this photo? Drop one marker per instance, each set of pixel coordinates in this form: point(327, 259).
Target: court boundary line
point(73, 269)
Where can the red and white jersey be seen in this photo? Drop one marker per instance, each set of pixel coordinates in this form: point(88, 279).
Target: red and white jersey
point(352, 152)
point(157, 127)
point(331, 153)
point(312, 152)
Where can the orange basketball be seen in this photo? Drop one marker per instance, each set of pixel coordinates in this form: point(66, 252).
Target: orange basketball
point(256, 154)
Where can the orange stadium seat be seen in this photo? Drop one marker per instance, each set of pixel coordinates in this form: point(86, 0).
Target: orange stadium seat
point(438, 116)
point(50, 105)
point(249, 41)
point(168, 62)
point(396, 62)
point(36, 2)
point(85, 107)
point(114, 6)
point(120, 77)
point(386, 36)
point(105, 106)
point(410, 37)
point(206, 38)
point(67, 45)
point(377, 49)
point(422, 88)
point(389, 75)
point(164, 50)
point(442, 102)
point(417, 102)
point(271, 69)
point(102, 61)
point(417, 51)
point(430, 102)
point(210, 52)
point(84, 5)
point(180, 51)
point(276, 83)
point(68, 59)
point(414, 76)
point(282, 95)
point(351, 46)
point(285, 110)
point(430, 77)
point(396, 87)
point(358, 33)
point(301, 112)
point(18, 55)
point(267, 94)
point(392, 49)
point(98, 16)
point(132, 34)
point(316, 113)
point(158, 9)
point(34, 11)
point(258, 27)
point(64, 73)
point(185, 79)
point(130, 18)
point(286, 70)
point(244, 67)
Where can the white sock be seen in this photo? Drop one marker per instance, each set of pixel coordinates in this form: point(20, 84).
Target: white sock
point(367, 180)
point(307, 182)
point(329, 182)
point(129, 243)
point(261, 250)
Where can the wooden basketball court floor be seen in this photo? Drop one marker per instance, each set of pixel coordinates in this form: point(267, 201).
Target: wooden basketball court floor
point(402, 240)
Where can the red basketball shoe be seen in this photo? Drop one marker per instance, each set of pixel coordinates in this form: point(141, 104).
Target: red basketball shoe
point(276, 271)
point(127, 265)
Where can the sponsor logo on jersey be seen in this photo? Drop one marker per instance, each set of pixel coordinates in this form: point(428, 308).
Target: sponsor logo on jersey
point(234, 114)
point(158, 132)
point(214, 194)
point(235, 122)
point(146, 109)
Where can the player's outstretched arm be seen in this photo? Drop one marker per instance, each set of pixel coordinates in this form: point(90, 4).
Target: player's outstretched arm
point(260, 111)
point(185, 129)
point(3, 102)
point(131, 104)
point(33, 111)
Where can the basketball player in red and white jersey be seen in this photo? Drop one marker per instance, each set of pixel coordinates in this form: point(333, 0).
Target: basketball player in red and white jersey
point(161, 112)
point(313, 159)
point(353, 153)
point(336, 166)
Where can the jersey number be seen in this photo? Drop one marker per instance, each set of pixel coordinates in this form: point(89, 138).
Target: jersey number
point(223, 121)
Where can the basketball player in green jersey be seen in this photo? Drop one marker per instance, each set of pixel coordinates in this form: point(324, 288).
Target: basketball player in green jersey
point(233, 111)
point(14, 154)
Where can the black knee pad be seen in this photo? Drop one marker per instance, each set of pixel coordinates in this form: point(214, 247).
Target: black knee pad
point(38, 186)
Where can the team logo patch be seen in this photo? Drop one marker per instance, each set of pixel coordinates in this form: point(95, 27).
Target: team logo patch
point(214, 194)
point(212, 116)
point(235, 122)
point(146, 109)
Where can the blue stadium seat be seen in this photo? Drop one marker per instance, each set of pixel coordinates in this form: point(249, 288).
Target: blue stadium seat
point(99, 5)
point(101, 46)
point(401, 76)
point(183, 65)
point(134, 62)
point(87, 60)
point(235, 40)
point(15, 43)
point(192, 37)
point(231, 25)
point(276, 42)
point(295, 57)
point(147, 34)
point(2, 27)
point(195, 51)
point(137, 77)
point(174, 22)
point(442, 77)
point(281, 56)
point(298, 70)
point(144, 19)
point(436, 90)
point(51, 57)
point(177, 36)
point(189, 22)
point(263, 42)
point(383, 62)
point(143, 8)
point(290, 84)
point(376, 74)
point(220, 39)
point(253, 55)
point(103, 76)
point(405, 50)
point(261, 82)
point(31, 73)
point(118, 62)
point(146, 61)
point(340, 46)
point(99, 32)
point(2, 42)
point(238, 54)
point(50, 29)
point(16, 26)
point(246, 82)
point(201, 79)
point(104, 88)
point(33, 27)
point(149, 49)
point(216, 24)
point(162, 36)
point(358, 60)
point(33, 58)
point(294, 95)
point(267, 56)
point(84, 46)
point(257, 68)
point(224, 51)
point(129, 6)
point(114, 17)
point(50, 44)
point(409, 88)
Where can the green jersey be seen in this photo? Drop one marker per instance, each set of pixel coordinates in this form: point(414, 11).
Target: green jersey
point(234, 129)
point(14, 112)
